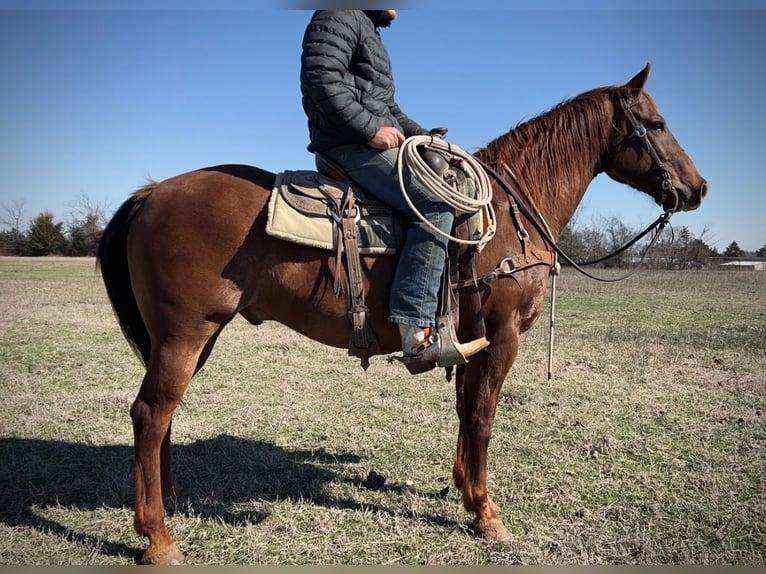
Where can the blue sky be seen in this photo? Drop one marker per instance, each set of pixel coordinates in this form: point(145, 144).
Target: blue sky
point(95, 101)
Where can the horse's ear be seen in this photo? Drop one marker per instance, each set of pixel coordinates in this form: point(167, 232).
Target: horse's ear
point(636, 84)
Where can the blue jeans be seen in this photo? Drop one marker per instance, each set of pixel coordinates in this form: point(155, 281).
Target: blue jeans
point(414, 295)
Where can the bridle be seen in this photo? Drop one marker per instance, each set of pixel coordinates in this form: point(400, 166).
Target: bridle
point(640, 131)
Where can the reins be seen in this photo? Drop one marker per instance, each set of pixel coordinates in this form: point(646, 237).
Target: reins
point(538, 222)
point(476, 169)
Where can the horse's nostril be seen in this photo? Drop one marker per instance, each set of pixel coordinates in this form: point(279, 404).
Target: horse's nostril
point(703, 190)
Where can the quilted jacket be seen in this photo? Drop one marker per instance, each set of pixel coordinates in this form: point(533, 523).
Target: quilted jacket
point(347, 85)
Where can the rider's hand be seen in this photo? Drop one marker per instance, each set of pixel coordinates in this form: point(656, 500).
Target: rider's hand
point(387, 137)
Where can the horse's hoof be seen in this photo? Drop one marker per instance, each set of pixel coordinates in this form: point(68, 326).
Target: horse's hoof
point(171, 556)
point(491, 529)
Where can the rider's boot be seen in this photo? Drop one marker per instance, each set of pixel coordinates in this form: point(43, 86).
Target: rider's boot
point(425, 348)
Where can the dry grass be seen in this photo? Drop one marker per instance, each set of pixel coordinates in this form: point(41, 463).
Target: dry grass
point(647, 447)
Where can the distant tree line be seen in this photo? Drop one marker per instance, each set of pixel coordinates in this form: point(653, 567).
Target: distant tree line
point(675, 249)
point(43, 235)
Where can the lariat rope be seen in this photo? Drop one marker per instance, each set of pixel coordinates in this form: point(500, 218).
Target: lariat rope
point(443, 189)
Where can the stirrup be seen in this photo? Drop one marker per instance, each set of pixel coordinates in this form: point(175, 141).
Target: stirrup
point(451, 351)
point(444, 350)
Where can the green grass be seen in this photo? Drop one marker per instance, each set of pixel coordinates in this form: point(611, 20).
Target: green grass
point(647, 447)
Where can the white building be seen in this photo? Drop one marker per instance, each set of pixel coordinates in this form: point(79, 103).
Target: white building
point(744, 265)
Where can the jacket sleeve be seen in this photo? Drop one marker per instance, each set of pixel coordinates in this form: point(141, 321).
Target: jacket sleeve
point(328, 45)
point(409, 126)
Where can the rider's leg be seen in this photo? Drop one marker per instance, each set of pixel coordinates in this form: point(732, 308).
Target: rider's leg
point(414, 296)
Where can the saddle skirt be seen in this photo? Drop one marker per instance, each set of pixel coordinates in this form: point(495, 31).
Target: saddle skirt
point(305, 208)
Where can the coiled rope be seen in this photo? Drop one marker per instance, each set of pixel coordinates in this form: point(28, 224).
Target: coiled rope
point(441, 187)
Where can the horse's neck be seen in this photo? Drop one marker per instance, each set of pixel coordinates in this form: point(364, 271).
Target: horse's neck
point(558, 199)
point(553, 161)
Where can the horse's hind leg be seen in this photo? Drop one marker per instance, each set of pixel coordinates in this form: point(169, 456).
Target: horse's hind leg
point(173, 362)
point(169, 488)
point(166, 474)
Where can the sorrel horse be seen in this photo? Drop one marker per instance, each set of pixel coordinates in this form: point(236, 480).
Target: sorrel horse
point(181, 258)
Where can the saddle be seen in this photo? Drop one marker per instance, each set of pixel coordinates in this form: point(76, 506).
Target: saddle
point(326, 210)
point(306, 208)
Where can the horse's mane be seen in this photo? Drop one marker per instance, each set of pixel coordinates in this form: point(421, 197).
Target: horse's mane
point(551, 147)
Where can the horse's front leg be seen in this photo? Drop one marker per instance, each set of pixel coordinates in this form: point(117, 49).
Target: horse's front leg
point(478, 385)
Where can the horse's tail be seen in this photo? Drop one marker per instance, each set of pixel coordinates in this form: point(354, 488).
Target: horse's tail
point(112, 260)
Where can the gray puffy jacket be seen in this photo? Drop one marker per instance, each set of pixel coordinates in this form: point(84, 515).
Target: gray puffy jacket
point(346, 80)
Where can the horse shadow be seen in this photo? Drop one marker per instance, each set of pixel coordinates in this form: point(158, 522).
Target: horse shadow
point(216, 477)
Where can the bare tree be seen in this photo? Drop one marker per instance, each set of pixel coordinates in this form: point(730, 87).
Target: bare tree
point(12, 239)
point(83, 209)
point(618, 235)
point(85, 226)
point(12, 215)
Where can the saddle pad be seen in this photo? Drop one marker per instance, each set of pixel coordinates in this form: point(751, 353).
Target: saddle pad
point(299, 211)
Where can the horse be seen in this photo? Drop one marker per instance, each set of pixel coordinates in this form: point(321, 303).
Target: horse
point(183, 257)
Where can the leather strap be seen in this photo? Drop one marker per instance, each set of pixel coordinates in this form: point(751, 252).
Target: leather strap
point(466, 267)
point(511, 265)
point(362, 342)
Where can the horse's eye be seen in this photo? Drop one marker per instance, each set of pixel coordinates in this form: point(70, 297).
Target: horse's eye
point(657, 126)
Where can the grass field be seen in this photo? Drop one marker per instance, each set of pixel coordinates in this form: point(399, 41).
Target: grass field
point(647, 447)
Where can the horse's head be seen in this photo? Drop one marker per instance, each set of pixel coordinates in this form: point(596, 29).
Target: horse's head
point(644, 154)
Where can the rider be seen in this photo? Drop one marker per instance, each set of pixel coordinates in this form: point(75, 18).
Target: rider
point(348, 96)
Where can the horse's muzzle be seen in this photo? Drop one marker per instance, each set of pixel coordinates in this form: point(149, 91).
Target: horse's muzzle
point(690, 199)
